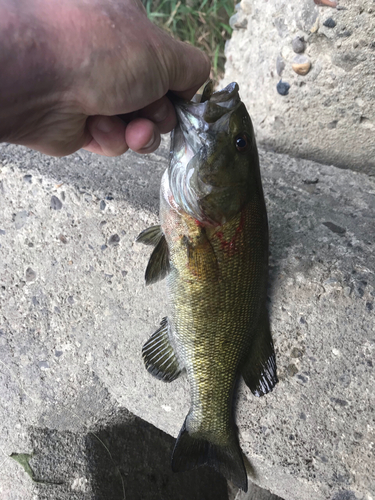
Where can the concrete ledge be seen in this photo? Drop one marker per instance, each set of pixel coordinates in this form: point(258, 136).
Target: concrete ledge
point(75, 313)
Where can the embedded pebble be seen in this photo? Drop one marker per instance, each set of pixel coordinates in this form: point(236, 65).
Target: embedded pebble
point(299, 44)
point(283, 88)
point(280, 64)
point(335, 228)
point(114, 240)
point(301, 65)
point(20, 219)
point(327, 3)
point(55, 203)
point(30, 274)
point(329, 23)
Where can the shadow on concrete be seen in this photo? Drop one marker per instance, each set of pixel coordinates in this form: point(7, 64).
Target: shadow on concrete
point(124, 458)
point(140, 464)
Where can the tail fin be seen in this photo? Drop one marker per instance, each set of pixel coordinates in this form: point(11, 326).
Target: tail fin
point(190, 452)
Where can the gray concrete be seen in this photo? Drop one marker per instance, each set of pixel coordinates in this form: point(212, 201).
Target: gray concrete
point(329, 114)
point(75, 313)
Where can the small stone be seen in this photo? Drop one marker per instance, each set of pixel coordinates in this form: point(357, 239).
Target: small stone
point(329, 23)
point(102, 205)
point(20, 219)
point(301, 65)
point(114, 240)
point(355, 44)
point(55, 203)
point(339, 402)
point(30, 274)
point(326, 3)
point(296, 353)
point(299, 44)
point(334, 228)
point(280, 64)
point(27, 178)
point(283, 88)
point(292, 370)
point(344, 33)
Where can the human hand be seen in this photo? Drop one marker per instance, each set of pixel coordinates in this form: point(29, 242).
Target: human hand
point(95, 61)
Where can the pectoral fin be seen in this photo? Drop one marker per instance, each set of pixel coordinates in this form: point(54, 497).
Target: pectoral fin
point(159, 356)
point(259, 370)
point(150, 236)
point(202, 260)
point(158, 266)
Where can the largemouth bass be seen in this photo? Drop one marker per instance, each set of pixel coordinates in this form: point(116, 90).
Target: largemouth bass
point(212, 244)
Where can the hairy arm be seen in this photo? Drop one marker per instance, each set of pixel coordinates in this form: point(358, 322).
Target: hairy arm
point(71, 66)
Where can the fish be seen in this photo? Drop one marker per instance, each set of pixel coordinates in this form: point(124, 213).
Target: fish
point(212, 247)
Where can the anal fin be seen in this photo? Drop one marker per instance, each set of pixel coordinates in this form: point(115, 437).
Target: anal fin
point(158, 355)
point(259, 369)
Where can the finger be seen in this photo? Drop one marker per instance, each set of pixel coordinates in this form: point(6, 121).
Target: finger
point(162, 113)
point(188, 68)
point(142, 136)
point(106, 135)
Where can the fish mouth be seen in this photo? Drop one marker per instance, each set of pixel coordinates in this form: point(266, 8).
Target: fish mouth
point(198, 120)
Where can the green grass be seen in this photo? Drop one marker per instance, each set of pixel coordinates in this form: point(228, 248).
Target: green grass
point(203, 23)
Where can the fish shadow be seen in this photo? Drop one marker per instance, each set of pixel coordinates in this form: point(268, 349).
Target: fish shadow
point(139, 464)
point(122, 458)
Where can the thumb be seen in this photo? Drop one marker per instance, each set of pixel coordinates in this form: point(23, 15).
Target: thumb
point(188, 69)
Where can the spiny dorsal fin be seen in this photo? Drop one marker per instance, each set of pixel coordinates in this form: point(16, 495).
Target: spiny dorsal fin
point(158, 355)
point(259, 370)
point(158, 266)
point(150, 236)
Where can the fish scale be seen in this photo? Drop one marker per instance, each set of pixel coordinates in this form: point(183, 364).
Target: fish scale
point(212, 245)
point(197, 302)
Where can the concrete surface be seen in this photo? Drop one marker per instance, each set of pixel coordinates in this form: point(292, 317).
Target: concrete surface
point(75, 313)
point(329, 114)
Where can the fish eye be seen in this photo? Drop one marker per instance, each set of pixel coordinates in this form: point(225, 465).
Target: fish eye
point(242, 142)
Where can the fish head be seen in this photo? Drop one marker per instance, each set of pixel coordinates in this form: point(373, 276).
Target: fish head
point(214, 165)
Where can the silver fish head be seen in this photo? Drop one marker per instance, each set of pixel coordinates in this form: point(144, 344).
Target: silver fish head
point(213, 161)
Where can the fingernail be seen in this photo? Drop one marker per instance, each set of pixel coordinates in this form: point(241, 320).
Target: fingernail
point(150, 142)
point(105, 125)
point(160, 114)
